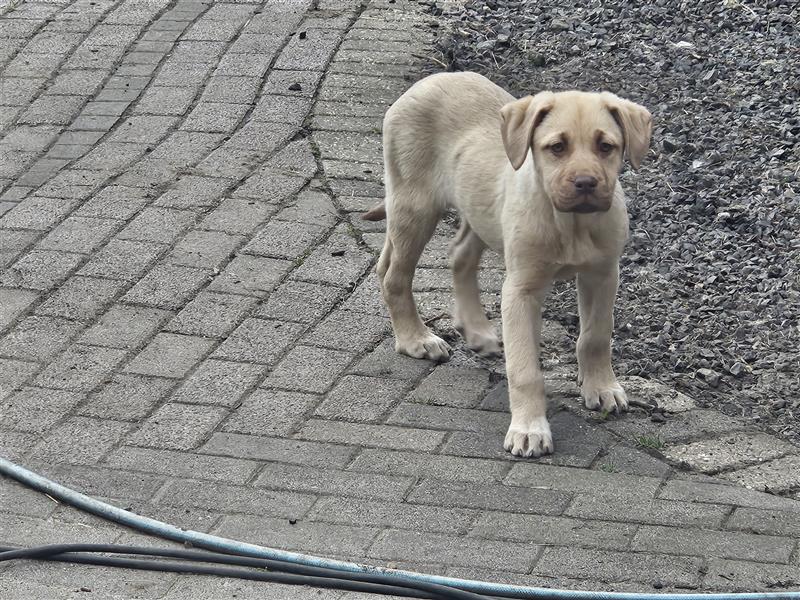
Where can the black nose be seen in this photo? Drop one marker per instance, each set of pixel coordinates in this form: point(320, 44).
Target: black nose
point(585, 184)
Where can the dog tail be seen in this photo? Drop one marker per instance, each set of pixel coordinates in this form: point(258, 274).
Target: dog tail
point(376, 213)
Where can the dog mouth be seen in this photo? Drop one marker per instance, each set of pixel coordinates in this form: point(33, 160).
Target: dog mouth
point(585, 208)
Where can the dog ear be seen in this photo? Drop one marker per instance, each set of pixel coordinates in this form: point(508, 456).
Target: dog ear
point(520, 119)
point(636, 124)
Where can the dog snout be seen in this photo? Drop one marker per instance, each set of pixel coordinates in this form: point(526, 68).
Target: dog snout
point(585, 184)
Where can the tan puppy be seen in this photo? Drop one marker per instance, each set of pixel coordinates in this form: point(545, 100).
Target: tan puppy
point(534, 179)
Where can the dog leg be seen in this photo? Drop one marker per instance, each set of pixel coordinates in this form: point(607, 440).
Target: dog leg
point(406, 236)
point(529, 432)
point(599, 387)
point(470, 318)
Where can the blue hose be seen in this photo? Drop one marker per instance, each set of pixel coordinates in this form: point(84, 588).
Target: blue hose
point(220, 544)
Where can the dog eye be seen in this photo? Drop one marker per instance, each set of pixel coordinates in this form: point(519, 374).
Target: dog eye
point(557, 148)
point(605, 147)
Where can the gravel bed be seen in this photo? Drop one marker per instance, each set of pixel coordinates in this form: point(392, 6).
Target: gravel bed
point(710, 294)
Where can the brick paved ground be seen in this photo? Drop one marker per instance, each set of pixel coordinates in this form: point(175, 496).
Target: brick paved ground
point(189, 327)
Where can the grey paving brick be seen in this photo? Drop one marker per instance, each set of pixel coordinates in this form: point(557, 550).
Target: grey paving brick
point(709, 456)
point(238, 215)
point(206, 30)
point(127, 397)
point(243, 65)
point(167, 286)
point(354, 124)
point(170, 355)
point(80, 440)
point(254, 135)
point(383, 361)
point(80, 368)
point(111, 158)
point(86, 123)
point(26, 137)
point(344, 330)
point(209, 249)
point(20, 91)
point(125, 326)
point(182, 464)
point(218, 382)
point(738, 576)
point(186, 147)
point(80, 234)
point(35, 409)
point(158, 224)
point(778, 475)
point(303, 535)
point(103, 154)
point(554, 531)
point(190, 588)
point(279, 449)
point(719, 544)
point(122, 259)
point(191, 191)
point(350, 146)
point(282, 81)
point(268, 185)
point(680, 427)
point(452, 419)
point(215, 117)
point(311, 52)
point(300, 302)
point(282, 239)
point(143, 129)
point(251, 275)
point(568, 479)
point(236, 499)
point(13, 303)
point(229, 162)
point(451, 550)
point(623, 459)
point(162, 100)
point(340, 483)
point(19, 500)
point(767, 522)
point(14, 444)
point(619, 566)
point(105, 483)
point(21, 530)
point(691, 491)
point(270, 412)
point(80, 298)
point(361, 399)
point(275, 108)
point(542, 501)
point(36, 212)
point(450, 385)
point(429, 466)
point(371, 513)
point(640, 509)
point(340, 261)
point(53, 110)
point(38, 338)
point(259, 341)
point(308, 369)
point(211, 314)
point(178, 426)
point(231, 90)
point(371, 436)
point(311, 207)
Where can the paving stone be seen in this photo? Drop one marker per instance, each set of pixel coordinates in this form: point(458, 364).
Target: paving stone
point(53, 110)
point(777, 475)
point(383, 361)
point(450, 419)
point(182, 464)
point(80, 368)
point(20, 531)
point(690, 491)
point(717, 544)
point(178, 427)
point(113, 202)
point(13, 303)
point(218, 382)
point(371, 436)
point(429, 466)
point(38, 213)
point(270, 412)
point(623, 459)
point(437, 548)
point(268, 137)
point(278, 449)
point(259, 341)
point(167, 286)
point(282, 239)
point(680, 427)
point(282, 82)
point(80, 298)
point(102, 154)
point(251, 276)
point(589, 482)
point(448, 385)
point(122, 259)
point(312, 52)
point(238, 215)
point(80, 234)
point(765, 522)
point(157, 224)
point(215, 117)
point(190, 588)
point(268, 185)
point(339, 262)
point(243, 65)
point(194, 192)
point(302, 535)
point(211, 314)
point(161, 100)
point(275, 108)
point(19, 500)
point(734, 575)
point(125, 327)
point(26, 137)
point(299, 302)
point(127, 397)
point(311, 207)
point(709, 456)
point(620, 566)
point(38, 338)
point(308, 369)
point(20, 91)
point(35, 409)
point(209, 249)
point(80, 440)
point(236, 499)
point(370, 513)
point(143, 129)
point(343, 330)
point(361, 399)
point(170, 355)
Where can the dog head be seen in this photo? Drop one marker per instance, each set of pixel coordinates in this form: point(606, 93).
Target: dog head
point(578, 141)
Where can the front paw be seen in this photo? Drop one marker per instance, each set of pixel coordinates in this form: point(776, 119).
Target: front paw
point(533, 439)
point(609, 397)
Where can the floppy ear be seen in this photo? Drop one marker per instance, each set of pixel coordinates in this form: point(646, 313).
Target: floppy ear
point(520, 118)
point(636, 124)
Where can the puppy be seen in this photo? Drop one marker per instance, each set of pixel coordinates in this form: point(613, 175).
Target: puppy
point(534, 179)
